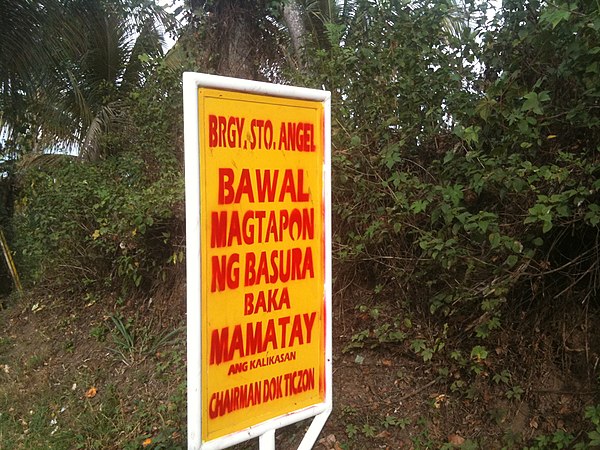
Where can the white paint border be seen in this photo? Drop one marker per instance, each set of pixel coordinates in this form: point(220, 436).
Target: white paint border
point(266, 430)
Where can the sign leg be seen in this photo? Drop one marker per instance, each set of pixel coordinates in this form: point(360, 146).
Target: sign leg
point(267, 441)
point(313, 431)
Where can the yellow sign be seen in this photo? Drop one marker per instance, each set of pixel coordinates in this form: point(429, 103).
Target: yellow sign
point(262, 258)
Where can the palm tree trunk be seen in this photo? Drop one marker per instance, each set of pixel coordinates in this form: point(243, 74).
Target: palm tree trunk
point(292, 16)
point(237, 46)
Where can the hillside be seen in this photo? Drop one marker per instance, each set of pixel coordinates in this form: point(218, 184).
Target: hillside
point(80, 375)
point(465, 166)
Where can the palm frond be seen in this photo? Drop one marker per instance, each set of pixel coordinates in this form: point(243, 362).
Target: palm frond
point(149, 41)
point(108, 116)
point(39, 160)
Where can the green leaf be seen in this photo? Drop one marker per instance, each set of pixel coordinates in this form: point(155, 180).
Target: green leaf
point(547, 226)
point(479, 353)
point(555, 15)
point(495, 239)
point(563, 210)
point(511, 260)
point(471, 134)
point(532, 102)
point(418, 345)
point(419, 206)
point(538, 242)
point(427, 354)
point(594, 437)
point(593, 215)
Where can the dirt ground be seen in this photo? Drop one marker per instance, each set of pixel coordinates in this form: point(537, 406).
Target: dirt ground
point(387, 392)
point(535, 383)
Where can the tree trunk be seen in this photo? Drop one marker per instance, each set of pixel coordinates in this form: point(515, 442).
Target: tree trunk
point(237, 49)
point(292, 17)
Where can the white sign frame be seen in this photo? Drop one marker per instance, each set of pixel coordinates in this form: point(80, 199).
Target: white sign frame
point(265, 431)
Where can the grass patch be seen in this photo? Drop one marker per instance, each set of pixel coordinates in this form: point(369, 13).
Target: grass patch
point(55, 396)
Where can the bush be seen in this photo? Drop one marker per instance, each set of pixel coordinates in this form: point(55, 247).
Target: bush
point(81, 224)
point(466, 158)
point(113, 222)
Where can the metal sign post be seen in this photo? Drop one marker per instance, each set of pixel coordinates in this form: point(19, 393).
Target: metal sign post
point(258, 230)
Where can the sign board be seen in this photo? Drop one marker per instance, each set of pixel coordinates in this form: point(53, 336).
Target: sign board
point(258, 258)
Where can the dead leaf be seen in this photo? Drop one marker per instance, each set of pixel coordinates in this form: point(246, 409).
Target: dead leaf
point(387, 362)
point(329, 442)
point(91, 392)
point(533, 423)
point(383, 434)
point(455, 439)
point(440, 400)
point(331, 439)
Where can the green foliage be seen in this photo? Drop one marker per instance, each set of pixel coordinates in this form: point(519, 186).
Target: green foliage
point(561, 439)
point(112, 223)
point(420, 347)
point(557, 440)
point(58, 419)
point(88, 224)
point(383, 329)
point(351, 430)
point(515, 393)
point(68, 68)
point(502, 377)
point(99, 332)
point(393, 421)
point(465, 164)
point(465, 171)
point(592, 414)
point(368, 431)
point(132, 344)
